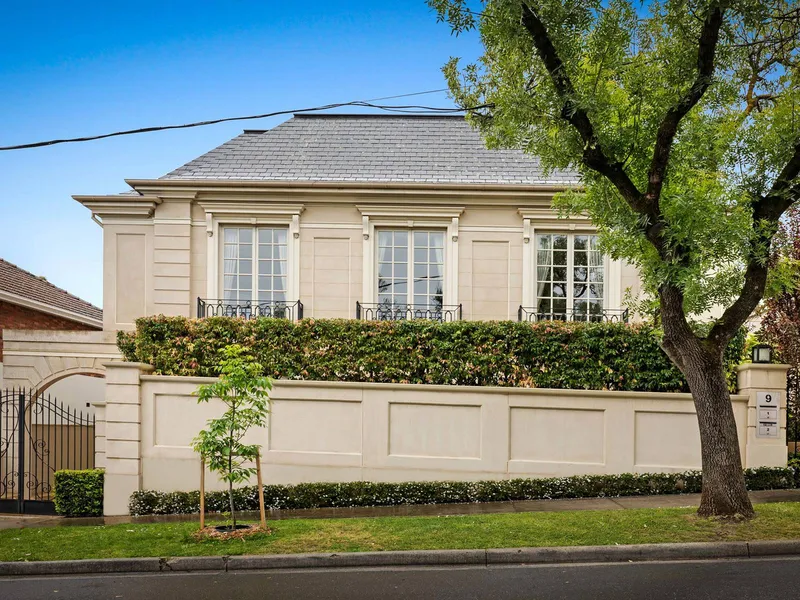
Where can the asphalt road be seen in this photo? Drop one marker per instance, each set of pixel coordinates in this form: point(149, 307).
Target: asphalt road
point(747, 579)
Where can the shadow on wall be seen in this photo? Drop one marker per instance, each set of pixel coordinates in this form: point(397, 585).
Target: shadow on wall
point(78, 392)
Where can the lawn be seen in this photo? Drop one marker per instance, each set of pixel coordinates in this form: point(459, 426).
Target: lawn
point(642, 526)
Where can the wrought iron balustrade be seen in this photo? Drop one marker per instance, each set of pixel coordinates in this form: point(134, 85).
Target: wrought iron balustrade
point(247, 309)
point(384, 311)
point(606, 315)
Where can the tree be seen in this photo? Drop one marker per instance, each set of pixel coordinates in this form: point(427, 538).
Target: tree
point(781, 311)
point(245, 392)
point(680, 116)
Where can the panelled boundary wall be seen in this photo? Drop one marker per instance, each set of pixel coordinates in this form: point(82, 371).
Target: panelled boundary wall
point(327, 431)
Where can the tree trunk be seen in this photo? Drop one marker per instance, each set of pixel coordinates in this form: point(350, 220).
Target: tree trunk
point(230, 500)
point(724, 491)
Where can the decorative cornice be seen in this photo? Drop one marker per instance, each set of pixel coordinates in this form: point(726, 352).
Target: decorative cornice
point(336, 191)
point(410, 212)
point(538, 217)
point(140, 207)
point(250, 208)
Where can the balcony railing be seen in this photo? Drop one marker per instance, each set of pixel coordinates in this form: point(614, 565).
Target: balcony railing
point(249, 310)
point(384, 311)
point(607, 315)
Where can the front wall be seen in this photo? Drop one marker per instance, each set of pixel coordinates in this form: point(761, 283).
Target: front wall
point(321, 431)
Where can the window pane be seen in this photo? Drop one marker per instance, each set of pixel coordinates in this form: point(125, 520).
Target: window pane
point(401, 270)
point(560, 242)
point(559, 258)
point(264, 284)
point(544, 241)
point(543, 306)
point(559, 273)
point(245, 282)
point(401, 254)
point(229, 266)
point(279, 236)
point(579, 291)
point(581, 242)
point(401, 238)
point(384, 238)
point(579, 259)
point(246, 266)
point(264, 235)
point(231, 235)
point(264, 251)
point(437, 239)
point(420, 239)
point(420, 255)
point(279, 283)
point(265, 267)
point(421, 286)
point(559, 290)
point(245, 236)
point(384, 270)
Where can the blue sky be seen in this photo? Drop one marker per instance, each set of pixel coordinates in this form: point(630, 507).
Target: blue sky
point(71, 69)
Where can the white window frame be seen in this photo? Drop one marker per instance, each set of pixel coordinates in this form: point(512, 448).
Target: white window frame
point(254, 272)
point(409, 217)
point(541, 220)
point(251, 214)
point(410, 262)
point(570, 266)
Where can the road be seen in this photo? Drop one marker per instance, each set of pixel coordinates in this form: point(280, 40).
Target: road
point(747, 579)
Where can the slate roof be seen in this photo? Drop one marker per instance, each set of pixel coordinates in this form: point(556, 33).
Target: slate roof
point(20, 282)
point(369, 148)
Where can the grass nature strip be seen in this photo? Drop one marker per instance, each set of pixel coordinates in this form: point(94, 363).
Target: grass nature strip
point(571, 528)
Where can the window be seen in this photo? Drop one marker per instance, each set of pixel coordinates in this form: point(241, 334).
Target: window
point(404, 253)
point(254, 264)
point(570, 276)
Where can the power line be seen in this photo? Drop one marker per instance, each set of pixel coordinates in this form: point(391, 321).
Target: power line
point(411, 109)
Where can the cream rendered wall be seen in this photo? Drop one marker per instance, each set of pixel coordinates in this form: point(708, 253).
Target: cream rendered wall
point(158, 263)
point(127, 273)
point(326, 431)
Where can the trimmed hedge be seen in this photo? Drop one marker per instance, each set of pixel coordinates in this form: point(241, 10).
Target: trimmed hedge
point(79, 493)
point(363, 493)
point(596, 356)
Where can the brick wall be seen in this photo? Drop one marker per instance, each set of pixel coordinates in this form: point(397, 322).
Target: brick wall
point(19, 317)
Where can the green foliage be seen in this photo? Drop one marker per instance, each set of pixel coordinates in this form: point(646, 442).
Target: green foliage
point(79, 493)
point(244, 391)
point(629, 65)
point(364, 493)
point(597, 356)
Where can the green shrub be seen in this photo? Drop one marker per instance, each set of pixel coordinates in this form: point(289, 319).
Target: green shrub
point(596, 356)
point(79, 493)
point(364, 493)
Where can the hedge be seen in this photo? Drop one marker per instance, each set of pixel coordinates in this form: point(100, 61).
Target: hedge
point(79, 493)
point(361, 493)
point(596, 356)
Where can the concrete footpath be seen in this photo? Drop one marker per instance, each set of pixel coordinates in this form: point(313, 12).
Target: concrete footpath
point(413, 510)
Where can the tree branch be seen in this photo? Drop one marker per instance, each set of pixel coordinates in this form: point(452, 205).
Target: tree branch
point(767, 211)
point(706, 53)
point(593, 155)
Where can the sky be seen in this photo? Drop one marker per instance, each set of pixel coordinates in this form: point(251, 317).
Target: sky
point(83, 68)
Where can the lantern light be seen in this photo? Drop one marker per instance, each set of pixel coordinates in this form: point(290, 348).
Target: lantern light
point(762, 353)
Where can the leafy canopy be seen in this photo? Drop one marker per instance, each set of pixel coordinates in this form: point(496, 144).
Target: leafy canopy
point(626, 66)
point(245, 392)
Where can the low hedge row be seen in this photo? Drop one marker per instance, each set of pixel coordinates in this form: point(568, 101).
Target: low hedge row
point(361, 493)
point(596, 356)
point(79, 493)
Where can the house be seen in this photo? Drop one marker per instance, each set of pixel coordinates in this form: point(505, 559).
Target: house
point(368, 217)
point(29, 302)
point(355, 216)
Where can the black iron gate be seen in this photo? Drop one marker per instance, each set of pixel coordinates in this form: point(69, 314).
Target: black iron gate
point(39, 436)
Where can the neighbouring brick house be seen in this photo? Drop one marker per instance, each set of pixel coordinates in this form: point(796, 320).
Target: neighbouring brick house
point(31, 302)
